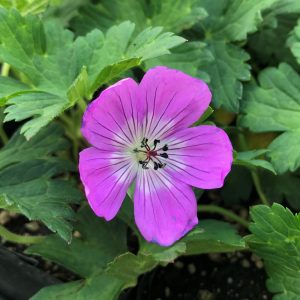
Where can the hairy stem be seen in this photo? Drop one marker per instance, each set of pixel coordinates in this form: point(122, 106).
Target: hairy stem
point(222, 211)
point(19, 239)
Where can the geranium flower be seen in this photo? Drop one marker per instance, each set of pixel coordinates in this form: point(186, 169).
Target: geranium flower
point(140, 132)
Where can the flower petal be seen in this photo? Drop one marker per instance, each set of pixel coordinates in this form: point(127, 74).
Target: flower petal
point(173, 100)
point(111, 121)
point(200, 156)
point(106, 178)
point(165, 209)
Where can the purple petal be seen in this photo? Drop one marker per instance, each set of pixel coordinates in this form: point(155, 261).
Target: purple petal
point(172, 99)
point(200, 156)
point(111, 121)
point(165, 209)
point(106, 178)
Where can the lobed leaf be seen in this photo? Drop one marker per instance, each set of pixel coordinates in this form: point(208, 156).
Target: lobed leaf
point(62, 70)
point(26, 180)
point(233, 20)
point(294, 41)
point(275, 106)
point(276, 238)
point(227, 70)
point(100, 242)
point(173, 15)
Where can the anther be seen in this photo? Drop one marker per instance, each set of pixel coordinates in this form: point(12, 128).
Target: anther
point(164, 155)
point(165, 148)
point(156, 142)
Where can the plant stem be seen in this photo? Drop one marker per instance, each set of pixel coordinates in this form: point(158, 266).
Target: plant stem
point(254, 173)
point(19, 239)
point(225, 212)
point(258, 188)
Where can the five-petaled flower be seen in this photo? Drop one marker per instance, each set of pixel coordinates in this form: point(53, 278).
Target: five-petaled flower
point(141, 132)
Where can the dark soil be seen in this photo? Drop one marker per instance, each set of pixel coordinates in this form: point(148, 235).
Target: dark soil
point(238, 276)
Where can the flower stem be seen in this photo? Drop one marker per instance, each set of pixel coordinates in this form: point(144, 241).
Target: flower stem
point(258, 188)
point(19, 239)
point(222, 211)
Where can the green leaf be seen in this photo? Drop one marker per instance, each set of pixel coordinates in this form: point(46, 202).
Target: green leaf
point(43, 107)
point(294, 41)
point(62, 70)
point(275, 106)
point(100, 241)
point(281, 7)
point(285, 151)
point(209, 236)
point(248, 159)
point(189, 58)
point(268, 45)
point(9, 87)
point(276, 238)
point(173, 15)
point(97, 287)
point(48, 141)
point(282, 187)
point(232, 20)
point(26, 171)
point(79, 88)
point(227, 70)
point(212, 236)
point(26, 7)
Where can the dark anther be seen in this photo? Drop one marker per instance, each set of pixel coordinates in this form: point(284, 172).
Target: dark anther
point(164, 155)
point(156, 166)
point(155, 143)
point(165, 148)
point(161, 165)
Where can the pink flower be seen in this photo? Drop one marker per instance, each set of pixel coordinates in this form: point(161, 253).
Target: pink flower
point(141, 132)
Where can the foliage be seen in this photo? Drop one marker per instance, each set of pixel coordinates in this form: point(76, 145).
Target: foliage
point(27, 179)
point(276, 237)
point(29, 46)
point(58, 55)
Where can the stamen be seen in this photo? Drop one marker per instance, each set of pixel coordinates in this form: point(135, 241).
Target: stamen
point(155, 143)
point(152, 154)
point(165, 148)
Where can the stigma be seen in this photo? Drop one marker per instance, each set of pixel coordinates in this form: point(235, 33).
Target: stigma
point(151, 155)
